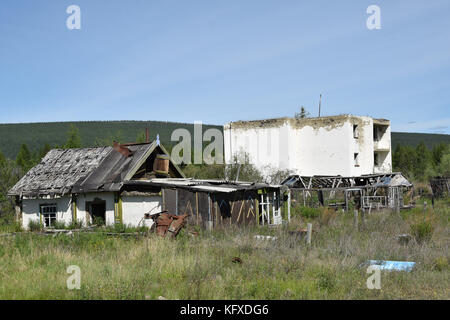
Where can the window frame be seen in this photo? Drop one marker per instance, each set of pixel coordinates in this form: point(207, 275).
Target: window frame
point(48, 212)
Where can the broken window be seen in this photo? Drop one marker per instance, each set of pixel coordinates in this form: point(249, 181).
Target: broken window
point(48, 212)
point(376, 159)
point(355, 131)
point(356, 159)
point(376, 136)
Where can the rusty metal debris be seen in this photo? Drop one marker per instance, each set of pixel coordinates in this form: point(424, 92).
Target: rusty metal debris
point(168, 224)
point(236, 260)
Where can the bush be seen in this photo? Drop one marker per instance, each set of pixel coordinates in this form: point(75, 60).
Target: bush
point(34, 225)
point(77, 224)
point(309, 213)
point(99, 221)
point(422, 230)
point(59, 224)
point(326, 216)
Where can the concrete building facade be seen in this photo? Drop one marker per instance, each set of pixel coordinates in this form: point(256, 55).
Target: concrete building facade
point(344, 145)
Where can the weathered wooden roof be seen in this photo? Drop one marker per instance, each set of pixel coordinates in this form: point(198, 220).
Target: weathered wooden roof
point(81, 170)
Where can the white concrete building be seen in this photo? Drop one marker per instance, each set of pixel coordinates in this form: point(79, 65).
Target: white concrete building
point(89, 185)
point(344, 145)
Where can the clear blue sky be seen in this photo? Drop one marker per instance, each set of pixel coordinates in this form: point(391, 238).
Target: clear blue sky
point(219, 61)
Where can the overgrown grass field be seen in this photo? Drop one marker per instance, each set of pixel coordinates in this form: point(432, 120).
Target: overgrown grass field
point(33, 266)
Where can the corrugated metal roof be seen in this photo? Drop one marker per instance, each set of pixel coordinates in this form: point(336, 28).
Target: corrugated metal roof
point(211, 186)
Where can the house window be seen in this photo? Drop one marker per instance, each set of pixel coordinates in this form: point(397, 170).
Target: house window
point(355, 131)
point(356, 159)
point(48, 212)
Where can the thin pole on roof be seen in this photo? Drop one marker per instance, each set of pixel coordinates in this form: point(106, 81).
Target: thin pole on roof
point(320, 103)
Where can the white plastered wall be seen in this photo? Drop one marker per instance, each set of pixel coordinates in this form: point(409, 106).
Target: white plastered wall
point(308, 150)
point(134, 208)
point(31, 209)
point(82, 210)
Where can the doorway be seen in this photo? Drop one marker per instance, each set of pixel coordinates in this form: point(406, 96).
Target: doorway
point(97, 211)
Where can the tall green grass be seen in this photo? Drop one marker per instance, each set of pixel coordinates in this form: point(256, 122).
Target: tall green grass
point(33, 266)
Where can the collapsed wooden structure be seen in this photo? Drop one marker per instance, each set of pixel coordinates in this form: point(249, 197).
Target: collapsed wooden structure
point(214, 203)
point(374, 191)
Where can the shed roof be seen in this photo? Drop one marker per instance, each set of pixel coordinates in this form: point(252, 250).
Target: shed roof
point(209, 186)
point(80, 170)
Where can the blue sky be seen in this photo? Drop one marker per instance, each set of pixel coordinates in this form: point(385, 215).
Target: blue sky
point(219, 61)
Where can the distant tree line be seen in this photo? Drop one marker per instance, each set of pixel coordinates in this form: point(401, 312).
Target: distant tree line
point(421, 163)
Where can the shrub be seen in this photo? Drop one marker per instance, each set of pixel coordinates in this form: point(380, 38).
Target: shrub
point(58, 224)
point(99, 221)
point(34, 225)
point(77, 224)
point(18, 226)
point(309, 213)
point(441, 263)
point(326, 216)
point(422, 230)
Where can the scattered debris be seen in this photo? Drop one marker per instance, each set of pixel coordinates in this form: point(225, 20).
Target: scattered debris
point(404, 238)
point(260, 237)
point(392, 265)
point(168, 223)
point(236, 260)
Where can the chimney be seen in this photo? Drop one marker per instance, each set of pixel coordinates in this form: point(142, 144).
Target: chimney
point(122, 149)
point(146, 136)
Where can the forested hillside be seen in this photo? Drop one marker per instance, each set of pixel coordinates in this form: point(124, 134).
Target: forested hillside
point(92, 133)
point(413, 139)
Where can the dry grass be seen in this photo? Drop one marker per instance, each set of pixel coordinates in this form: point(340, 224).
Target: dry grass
point(34, 267)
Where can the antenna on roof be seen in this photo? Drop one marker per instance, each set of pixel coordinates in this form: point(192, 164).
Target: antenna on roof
point(320, 103)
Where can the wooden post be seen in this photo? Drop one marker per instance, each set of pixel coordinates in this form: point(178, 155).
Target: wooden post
point(209, 222)
point(289, 205)
point(355, 219)
point(176, 201)
point(74, 209)
point(308, 233)
point(196, 204)
point(363, 217)
point(256, 209)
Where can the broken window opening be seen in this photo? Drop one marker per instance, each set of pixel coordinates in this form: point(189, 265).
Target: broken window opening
point(356, 159)
point(355, 131)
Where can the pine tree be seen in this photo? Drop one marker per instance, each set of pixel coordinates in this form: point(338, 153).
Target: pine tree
point(24, 158)
point(302, 114)
point(73, 138)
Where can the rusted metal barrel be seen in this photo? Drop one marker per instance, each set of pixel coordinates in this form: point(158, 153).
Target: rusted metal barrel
point(161, 164)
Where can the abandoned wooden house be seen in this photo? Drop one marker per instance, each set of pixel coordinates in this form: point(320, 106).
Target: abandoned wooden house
point(86, 185)
point(373, 191)
point(123, 183)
